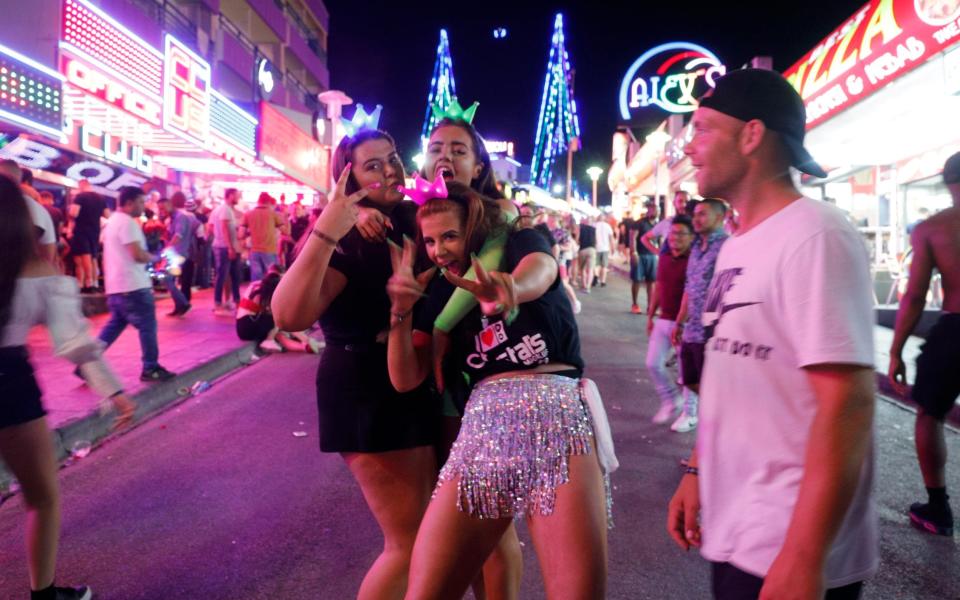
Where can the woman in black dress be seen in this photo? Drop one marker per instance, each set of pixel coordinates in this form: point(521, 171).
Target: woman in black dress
point(385, 437)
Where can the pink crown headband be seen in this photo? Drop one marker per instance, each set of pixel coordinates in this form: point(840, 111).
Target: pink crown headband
point(423, 190)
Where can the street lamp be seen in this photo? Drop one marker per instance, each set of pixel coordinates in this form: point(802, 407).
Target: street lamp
point(557, 188)
point(658, 139)
point(594, 173)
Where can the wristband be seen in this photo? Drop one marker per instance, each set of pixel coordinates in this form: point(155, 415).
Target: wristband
point(688, 470)
point(400, 316)
point(324, 237)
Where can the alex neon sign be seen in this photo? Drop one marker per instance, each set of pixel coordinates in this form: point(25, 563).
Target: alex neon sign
point(110, 89)
point(670, 76)
point(186, 106)
point(883, 41)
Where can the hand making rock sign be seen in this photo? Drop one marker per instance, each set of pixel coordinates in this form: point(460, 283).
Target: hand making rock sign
point(495, 291)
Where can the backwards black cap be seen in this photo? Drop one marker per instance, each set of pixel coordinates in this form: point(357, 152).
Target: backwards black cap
point(748, 94)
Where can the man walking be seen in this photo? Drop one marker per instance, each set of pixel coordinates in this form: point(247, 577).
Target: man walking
point(587, 256)
point(128, 286)
point(661, 317)
point(263, 223)
point(226, 250)
point(936, 245)
point(688, 333)
point(643, 262)
point(182, 233)
point(782, 472)
point(606, 242)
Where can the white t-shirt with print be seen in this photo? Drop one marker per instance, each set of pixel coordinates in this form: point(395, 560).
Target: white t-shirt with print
point(792, 292)
point(121, 273)
point(604, 236)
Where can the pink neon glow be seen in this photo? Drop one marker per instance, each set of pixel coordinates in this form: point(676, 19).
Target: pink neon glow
point(675, 59)
point(423, 190)
point(99, 38)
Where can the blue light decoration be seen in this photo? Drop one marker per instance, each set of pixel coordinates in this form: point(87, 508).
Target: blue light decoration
point(443, 88)
point(233, 123)
point(30, 94)
point(558, 124)
point(671, 76)
point(500, 33)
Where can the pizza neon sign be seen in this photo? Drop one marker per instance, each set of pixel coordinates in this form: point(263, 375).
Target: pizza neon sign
point(670, 76)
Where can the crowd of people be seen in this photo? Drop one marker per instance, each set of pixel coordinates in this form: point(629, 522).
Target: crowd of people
point(452, 383)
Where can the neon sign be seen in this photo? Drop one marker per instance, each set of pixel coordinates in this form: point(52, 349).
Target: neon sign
point(98, 143)
point(186, 106)
point(499, 147)
point(110, 89)
point(671, 76)
point(30, 93)
point(36, 155)
point(883, 41)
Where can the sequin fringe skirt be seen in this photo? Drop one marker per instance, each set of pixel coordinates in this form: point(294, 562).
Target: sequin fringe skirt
point(514, 445)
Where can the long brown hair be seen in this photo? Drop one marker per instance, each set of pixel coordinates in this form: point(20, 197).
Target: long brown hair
point(480, 215)
point(18, 243)
point(485, 182)
point(344, 153)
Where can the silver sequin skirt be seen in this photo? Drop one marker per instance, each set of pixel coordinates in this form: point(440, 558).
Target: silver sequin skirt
point(514, 445)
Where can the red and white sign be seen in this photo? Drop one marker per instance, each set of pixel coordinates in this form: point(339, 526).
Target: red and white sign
point(110, 89)
point(883, 41)
point(186, 92)
point(288, 148)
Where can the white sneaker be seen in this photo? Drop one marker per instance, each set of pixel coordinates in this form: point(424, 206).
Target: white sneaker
point(684, 423)
point(272, 346)
point(665, 414)
point(577, 307)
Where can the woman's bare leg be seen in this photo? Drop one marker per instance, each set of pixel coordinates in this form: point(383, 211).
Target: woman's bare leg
point(571, 543)
point(397, 487)
point(503, 569)
point(451, 548)
point(28, 452)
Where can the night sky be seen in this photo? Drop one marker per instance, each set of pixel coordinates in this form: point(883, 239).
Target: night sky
point(383, 52)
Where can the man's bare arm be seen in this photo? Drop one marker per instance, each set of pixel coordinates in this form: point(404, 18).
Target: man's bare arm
point(915, 298)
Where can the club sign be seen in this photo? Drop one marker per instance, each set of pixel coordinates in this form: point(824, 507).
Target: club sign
point(670, 76)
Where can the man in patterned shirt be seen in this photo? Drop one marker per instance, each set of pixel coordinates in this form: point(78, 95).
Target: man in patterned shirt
point(689, 333)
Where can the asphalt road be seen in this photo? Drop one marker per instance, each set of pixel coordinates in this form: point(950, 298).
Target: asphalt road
point(218, 498)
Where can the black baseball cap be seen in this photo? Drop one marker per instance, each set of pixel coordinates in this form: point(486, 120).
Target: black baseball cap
point(951, 169)
point(748, 94)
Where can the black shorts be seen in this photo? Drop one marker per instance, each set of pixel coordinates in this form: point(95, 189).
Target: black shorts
point(82, 243)
point(19, 392)
point(938, 368)
point(730, 583)
point(255, 328)
point(691, 362)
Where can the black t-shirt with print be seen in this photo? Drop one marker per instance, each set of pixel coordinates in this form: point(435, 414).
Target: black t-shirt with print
point(544, 331)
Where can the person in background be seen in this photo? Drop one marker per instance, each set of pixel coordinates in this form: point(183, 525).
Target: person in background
point(226, 250)
point(86, 210)
point(643, 261)
point(655, 240)
point(182, 229)
point(661, 318)
point(936, 245)
point(606, 243)
point(781, 478)
point(204, 266)
point(263, 224)
point(56, 215)
point(32, 292)
point(255, 319)
point(299, 222)
point(47, 244)
point(128, 286)
point(587, 256)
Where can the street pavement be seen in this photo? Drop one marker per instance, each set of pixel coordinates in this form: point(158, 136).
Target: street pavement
point(225, 497)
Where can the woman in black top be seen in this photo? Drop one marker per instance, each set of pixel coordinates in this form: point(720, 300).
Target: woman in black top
point(526, 444)
point(385, 437)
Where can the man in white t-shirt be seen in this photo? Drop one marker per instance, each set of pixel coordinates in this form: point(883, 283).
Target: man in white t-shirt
point(127, 283)
point(782, 472)
point(606, 241)
point(226, 250)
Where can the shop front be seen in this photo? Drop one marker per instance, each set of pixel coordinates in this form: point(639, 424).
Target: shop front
point(882, 101)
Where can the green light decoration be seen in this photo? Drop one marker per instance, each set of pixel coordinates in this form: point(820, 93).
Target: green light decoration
point(454, 111)
point(443, 88)
point(558, 123)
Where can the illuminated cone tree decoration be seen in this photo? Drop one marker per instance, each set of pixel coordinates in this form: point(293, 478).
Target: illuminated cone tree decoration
point(443, 88)
point(558, 123)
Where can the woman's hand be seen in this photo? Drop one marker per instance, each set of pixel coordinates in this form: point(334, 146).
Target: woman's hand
point(403, 288)
point(341, 212)
point(496, 292)
point(373, 224)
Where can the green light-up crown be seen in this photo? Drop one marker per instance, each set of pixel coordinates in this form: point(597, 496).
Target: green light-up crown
point(455, 111)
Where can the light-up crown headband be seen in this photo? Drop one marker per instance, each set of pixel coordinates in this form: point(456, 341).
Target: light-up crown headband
point(423, 190)
point(362, 120)
point(455, 111)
